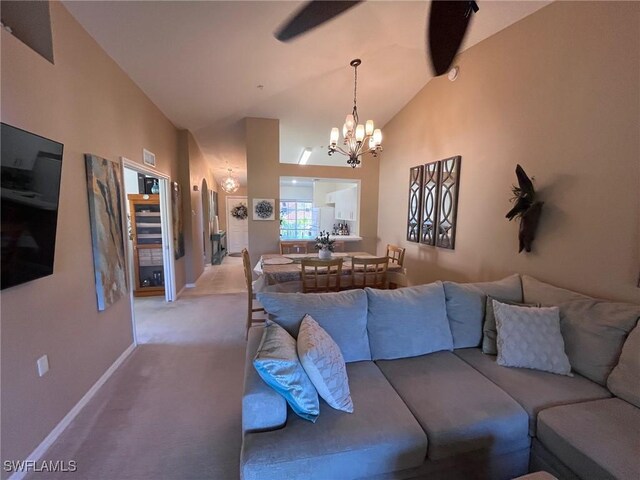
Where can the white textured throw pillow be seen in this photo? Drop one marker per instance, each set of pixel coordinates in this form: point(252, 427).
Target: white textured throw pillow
point(530, 338)
point(322, 360)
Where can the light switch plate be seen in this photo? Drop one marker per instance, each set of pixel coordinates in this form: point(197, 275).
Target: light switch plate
point(43, 365)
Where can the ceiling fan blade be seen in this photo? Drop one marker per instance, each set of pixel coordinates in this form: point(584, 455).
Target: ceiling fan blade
point(311, 15)
point(448, 22)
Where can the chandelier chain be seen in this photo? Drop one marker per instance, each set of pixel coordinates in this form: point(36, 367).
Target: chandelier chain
point(355, 93)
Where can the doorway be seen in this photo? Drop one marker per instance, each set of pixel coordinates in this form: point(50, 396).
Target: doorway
point(149, 240)
point(237, 229)
point(206, 223)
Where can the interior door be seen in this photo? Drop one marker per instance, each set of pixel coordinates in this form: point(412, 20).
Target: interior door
point(237, 230)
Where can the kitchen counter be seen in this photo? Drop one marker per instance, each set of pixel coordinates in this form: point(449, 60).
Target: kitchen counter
point(341, 238)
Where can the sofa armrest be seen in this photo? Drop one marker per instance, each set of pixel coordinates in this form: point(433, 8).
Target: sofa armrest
point(262, 407)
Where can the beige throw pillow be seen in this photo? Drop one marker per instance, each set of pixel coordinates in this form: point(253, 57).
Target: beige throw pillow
point(530, 337)
point(489, 332)
point(322, 360)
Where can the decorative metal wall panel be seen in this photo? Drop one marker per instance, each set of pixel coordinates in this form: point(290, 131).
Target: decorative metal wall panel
point(415, 204)
point(448, 201)
point(430, 197)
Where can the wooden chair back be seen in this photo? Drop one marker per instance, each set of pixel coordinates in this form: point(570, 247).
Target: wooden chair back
point(338, 246)
point(369, 272)
point(321, 275)
point(293, 247)
point(395, 254)
point(248, 277)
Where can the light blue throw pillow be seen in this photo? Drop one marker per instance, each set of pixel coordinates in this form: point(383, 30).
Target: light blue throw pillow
point(343, 315)
point(408, 322)
point(278, 365)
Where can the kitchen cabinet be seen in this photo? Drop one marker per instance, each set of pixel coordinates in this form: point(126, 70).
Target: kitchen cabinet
point(346, 202)
point(146, 235)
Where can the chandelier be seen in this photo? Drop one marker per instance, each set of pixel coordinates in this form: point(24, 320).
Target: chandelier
point(358, 139)
point(230, 184)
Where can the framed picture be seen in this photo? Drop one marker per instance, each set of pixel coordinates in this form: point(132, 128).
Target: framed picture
point(148, 158)
point(264, 209)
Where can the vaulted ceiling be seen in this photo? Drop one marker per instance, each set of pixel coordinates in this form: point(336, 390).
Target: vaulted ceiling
point(207, 65)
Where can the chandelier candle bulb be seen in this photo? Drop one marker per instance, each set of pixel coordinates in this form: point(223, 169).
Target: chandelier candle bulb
point(359, 133)
point(377, 137)
point(335, 135)
point(369, 127)
point(350, 122)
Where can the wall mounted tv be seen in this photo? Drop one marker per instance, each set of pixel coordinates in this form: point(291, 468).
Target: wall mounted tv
point(30, 186)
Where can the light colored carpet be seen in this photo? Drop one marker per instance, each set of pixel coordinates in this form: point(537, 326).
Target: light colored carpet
point(173, 409)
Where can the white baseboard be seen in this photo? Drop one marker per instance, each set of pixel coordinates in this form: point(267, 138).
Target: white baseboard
point(189, 285)
point(68, 418)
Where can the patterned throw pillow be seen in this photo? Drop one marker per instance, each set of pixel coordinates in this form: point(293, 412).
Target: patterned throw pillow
point(530, 337)
point(322, 360)
point(489, 332)
point(277, 363)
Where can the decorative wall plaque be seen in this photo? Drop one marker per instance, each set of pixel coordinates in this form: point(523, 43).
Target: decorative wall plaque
point(415, 202)
point(430, 197)
point(448, 203)
point(433, 202)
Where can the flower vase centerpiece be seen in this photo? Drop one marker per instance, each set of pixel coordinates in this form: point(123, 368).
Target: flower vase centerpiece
point(324, 245)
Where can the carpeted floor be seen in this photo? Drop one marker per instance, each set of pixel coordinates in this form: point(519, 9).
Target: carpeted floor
point(173, 409)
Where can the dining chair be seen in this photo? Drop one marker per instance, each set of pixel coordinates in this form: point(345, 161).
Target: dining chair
point(369, 272)
point(321, 275)
point(396, 256)
point(293, 247)
point(246, 263)
point(338, 246)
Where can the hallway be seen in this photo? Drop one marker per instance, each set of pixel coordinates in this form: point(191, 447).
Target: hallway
point(173, 409)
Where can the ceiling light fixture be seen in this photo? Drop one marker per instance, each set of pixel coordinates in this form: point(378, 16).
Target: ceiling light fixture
point(230, 184)
point(306, 153)
point(358, 139)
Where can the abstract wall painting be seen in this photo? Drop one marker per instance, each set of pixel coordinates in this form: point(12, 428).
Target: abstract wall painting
point(176, 219)
point(104, 188)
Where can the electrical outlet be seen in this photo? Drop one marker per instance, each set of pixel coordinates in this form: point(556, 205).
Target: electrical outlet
point(43, 365)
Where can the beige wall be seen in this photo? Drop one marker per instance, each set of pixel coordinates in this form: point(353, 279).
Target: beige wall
point(86, 102)
point(194, 168)
point(557, 92)
point(264, 171)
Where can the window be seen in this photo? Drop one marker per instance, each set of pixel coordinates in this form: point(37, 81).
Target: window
point(296, 220)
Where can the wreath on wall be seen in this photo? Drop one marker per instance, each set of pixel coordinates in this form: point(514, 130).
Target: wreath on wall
point(240, 212)
point(264, 209)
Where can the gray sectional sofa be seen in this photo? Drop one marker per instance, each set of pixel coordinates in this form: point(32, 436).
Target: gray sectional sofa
point(454, 413)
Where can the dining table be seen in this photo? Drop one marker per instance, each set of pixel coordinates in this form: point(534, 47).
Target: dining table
point(282, 272)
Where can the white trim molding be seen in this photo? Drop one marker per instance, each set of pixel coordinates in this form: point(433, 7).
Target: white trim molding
point(69, 417)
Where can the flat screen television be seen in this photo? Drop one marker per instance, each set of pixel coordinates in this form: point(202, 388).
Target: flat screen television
point(30, 187)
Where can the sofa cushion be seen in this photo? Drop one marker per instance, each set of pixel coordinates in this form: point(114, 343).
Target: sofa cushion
point(466, 305)
point(343, 315)
point(598, 439)
point(380, 436)
point(593, 330)
point(262, 407)
point(532, 389)
point(530, 338)
point(624, 380)
point(277, 363)
point(407, 322)
point(460, 410)
point(322, 360)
